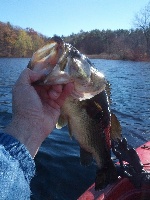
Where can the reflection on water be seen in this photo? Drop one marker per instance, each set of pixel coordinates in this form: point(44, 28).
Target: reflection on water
point(59, 173)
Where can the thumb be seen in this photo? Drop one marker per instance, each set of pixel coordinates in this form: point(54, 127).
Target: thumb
point(67, 90)
point(28, 76)
point(35, 76)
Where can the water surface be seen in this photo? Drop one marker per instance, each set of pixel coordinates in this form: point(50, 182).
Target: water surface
point(59, 173)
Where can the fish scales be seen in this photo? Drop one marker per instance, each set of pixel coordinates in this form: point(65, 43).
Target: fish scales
point(82, 125)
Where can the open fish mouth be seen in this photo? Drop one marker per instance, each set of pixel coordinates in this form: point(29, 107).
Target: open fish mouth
point(63, 63)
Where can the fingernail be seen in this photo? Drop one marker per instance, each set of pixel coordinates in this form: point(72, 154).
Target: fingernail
point(54, 94)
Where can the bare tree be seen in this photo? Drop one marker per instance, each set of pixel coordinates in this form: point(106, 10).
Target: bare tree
point(142, 21)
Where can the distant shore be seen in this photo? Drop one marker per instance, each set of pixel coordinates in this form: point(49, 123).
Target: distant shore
point(117, 57)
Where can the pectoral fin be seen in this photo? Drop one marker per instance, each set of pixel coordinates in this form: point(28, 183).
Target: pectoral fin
point(85, 157)
point(115, 131)
point(62, 121)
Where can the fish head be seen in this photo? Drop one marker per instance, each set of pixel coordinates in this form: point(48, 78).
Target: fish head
point(87, 80)
point(63, 63)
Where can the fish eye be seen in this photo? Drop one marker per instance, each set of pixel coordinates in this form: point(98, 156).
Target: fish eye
point(74, 53)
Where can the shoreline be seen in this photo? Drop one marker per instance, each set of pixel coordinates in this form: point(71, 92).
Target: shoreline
point(118, 57)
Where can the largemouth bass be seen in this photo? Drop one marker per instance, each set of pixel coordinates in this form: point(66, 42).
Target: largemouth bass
point(86, 111)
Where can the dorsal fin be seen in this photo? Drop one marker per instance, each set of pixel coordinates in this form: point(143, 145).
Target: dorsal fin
point(115, 131)
point(62, 121)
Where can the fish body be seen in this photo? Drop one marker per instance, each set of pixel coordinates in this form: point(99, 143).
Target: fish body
point(89, 122)
point(86, 111)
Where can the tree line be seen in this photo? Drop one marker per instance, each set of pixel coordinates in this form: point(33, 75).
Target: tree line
point(118, 44)
point(133, 44)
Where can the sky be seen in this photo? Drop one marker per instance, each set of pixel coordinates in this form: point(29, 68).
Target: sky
point(64, 17)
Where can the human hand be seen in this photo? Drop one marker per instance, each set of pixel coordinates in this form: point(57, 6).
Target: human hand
point(36, 109)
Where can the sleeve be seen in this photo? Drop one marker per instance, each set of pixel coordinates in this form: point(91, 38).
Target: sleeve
point(17, 168)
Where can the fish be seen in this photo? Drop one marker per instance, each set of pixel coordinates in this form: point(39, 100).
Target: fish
point(86, 111)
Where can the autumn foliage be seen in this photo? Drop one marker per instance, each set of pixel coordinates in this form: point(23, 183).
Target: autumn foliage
point(17, 42)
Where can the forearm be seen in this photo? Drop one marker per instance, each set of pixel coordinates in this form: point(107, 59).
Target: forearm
point(16, 169)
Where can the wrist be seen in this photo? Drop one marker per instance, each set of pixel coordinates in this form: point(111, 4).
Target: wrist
point(27, 133)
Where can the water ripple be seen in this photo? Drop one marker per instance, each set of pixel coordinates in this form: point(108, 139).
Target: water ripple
point(58, 163)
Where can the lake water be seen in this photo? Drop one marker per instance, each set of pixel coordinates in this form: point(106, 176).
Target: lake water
point(59, 173)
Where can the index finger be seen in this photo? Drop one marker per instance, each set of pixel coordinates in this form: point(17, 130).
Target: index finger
point(67, 90)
